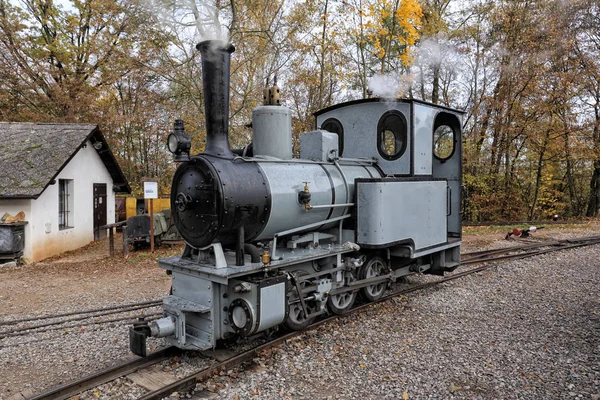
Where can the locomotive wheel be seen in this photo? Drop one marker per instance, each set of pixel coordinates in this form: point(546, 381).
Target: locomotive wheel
point(340, 303)
point(376, 266)
point(296, 320)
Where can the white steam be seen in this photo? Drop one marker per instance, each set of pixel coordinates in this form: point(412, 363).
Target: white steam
point(196, 20)
point(435, 53)
point(207, 20)
point(389, 86)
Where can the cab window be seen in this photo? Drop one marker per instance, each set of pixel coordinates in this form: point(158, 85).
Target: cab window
point(392, 135)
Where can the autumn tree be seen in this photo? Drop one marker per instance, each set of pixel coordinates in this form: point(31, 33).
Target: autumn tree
point(435, 51)
point(379, 38)
point(588, 50)
point(58, 58)
point(83, 62)
point(391, 30)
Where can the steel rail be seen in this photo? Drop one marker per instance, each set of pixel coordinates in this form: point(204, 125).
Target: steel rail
point(484, 253)
point(480, 256)
point(512, 223)
point(25, 331)
point(52, 316)
point(93, 327)
point(89, 382)
point(34, 328)
point(481, 253)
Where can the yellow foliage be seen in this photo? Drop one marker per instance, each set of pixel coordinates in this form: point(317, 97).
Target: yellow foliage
point(391, 28)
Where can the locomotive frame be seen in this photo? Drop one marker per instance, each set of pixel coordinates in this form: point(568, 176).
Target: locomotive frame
point(273, 240)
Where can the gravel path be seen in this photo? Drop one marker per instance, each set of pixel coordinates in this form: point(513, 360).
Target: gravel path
point(526, 329)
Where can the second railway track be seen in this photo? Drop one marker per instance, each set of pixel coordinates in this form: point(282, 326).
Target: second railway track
point(76, 319)
point(487, 258)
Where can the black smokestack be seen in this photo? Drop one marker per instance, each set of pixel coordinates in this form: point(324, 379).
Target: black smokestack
point(216, 56)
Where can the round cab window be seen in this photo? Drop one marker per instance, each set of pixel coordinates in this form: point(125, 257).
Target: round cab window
point(334, 126)
point(443, 142)
point(391, 135)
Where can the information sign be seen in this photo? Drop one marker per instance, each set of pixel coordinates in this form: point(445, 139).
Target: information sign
point(150, 190)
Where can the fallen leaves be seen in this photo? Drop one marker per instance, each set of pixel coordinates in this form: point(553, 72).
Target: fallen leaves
point(455, 388)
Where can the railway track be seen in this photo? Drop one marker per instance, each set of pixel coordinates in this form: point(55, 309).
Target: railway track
point(514, 223)
point(62, 321)
point(488, 258)
point(527, 249)
point(97, 316)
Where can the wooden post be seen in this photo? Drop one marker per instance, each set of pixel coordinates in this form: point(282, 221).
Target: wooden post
point(111, 241)
point(151, 193)
point(151, 226)
point(125, 243)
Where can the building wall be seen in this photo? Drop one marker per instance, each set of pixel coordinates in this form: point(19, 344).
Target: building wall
point(85, 169)
point(13, 207)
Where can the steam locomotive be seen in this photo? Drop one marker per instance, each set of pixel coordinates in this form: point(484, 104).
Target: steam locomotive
point(274, 240)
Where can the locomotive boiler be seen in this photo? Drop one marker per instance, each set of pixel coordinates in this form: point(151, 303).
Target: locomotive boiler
point(273, 240)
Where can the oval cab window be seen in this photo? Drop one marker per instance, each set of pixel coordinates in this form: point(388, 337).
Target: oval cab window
point(443, 142)
point(334, 126)
point(444, 135)
point(391, 135)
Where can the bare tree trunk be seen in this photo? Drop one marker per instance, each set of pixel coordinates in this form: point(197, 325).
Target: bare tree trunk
point(538, 177)
point(593, 208)
point(435, 93)
point(361, 49)
point(322, 61)
point(569, 175)
point(495, 113)
point(421, 75)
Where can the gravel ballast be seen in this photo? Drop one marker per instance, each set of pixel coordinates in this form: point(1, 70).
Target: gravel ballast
point(524, 329)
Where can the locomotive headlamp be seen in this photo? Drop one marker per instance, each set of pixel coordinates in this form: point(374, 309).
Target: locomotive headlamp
point(179, 142)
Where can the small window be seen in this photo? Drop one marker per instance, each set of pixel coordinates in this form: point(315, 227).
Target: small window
point(391, 135)
point(445, 129)
point(334, 126)
point(65, 203)
point(443, 142)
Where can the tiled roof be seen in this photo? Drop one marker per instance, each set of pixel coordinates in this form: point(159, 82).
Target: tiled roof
point(32, 155)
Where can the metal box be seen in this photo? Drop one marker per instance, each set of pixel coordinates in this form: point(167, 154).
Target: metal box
point(12, 238)
point(318, 145)
point(261, 306)
point(394, 211)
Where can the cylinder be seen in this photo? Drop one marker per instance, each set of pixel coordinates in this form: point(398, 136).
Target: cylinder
point(272, 132)
point(216, 57)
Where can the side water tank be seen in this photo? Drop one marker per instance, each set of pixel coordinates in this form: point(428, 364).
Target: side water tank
point(272, 132)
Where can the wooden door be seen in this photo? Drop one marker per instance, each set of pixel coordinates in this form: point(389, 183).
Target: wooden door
point(100, 210)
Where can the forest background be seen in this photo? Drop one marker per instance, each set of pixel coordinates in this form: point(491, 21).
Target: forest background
point(526, 72)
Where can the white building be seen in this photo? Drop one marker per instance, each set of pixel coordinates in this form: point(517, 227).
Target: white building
point(64, 178)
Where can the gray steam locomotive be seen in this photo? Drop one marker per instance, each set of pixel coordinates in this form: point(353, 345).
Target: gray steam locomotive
point(274, 240)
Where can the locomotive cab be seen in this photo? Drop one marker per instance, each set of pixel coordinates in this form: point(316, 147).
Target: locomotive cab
point(273, 240)
point(414, 210)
